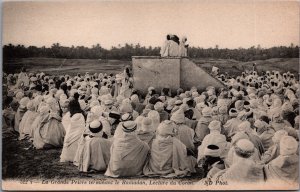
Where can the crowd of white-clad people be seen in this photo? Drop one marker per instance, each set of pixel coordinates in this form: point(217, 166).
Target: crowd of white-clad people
point(245, 132)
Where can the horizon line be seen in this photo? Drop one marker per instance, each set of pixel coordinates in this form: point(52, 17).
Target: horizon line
point(122, 45)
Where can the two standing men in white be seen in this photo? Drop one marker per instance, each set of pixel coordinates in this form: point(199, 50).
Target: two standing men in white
point(173, 48)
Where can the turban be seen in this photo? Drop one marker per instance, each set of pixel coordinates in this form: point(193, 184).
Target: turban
point(95, 126)
point(233, 112)
point(151, 89)
point(244, 148)
point(195, 94)
point(239, 105)
point(135, 98)
point(129, 126)
point(97, 110)
point(171, 104)
point(30, 105)
point(126, 108)
point(200, 106)
point(260, 124)
point(278, 135)
point(159, 106)
point(162, 98)
point(223, 109)
point(215, 125)
point(178, 117)
point(147, 124)
point(207, 111)
point(94, 103)
point(288, 145)
point(59, 93)
point(178, 102)
point(244, 126)
point(19, 95)
point(139, 122)
point(126, 117)
point(276, 117)
point(212, 151)
point(23, 102)
point(166, 128)
point(182, 96)
point(94, 91)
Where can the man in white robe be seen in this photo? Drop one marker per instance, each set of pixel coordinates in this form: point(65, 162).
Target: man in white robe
point(183, 47)
point(168, 155)
point(93, 151)
point(128, 153)
point(173, 49)
point(243, 169)
point(285, 168)
point(164, 52)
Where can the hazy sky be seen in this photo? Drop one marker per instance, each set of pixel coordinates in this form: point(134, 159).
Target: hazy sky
point(206, 23)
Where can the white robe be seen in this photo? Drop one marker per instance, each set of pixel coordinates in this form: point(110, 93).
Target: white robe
point(174, 49)
point(164, 52)
point(25, 127)
point(128, 155)
point(92, 153)
point(73, 134)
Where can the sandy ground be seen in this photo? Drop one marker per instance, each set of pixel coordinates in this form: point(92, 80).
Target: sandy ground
point(21, 162)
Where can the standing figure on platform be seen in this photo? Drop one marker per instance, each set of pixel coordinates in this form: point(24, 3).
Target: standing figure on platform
point(164, 52)
point(183, 47)
point(174, 46)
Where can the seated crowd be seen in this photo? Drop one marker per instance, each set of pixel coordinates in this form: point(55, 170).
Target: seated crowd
point(246, 132)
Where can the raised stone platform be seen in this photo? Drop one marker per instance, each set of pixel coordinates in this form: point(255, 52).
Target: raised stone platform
point(172, 72)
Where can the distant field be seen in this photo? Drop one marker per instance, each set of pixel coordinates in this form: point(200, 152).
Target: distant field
point(234, 67)
point(55, 66)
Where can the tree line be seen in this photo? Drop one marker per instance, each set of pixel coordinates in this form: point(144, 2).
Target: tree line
point(125, 52)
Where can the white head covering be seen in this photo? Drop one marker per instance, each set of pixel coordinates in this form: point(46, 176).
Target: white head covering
point(212, 150)
point(154, 116)
point(139, 122)
point(166, 128)
point(135, 98)
point(215, 126)
point(126, 107)
point(288, 145)
point(178, 117)
point(207, 111)
point(278, 135)
point(159, 106)
point(23, 102)
point(59, 93)
point(30, 105)
point(244, 126)
point(147, 125)
point(97, 110)
point(82, 104)
point(129, 126)
point(244, 148)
